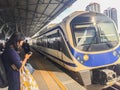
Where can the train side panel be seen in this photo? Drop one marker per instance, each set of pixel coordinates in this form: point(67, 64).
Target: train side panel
point(54, 45)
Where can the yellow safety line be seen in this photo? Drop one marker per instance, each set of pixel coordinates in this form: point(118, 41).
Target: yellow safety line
point(57, 80)
point(54, 77)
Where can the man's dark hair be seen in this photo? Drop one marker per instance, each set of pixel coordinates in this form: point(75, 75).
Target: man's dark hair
point(26, 47)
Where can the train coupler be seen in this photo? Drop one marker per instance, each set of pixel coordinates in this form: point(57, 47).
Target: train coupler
point(104, 76)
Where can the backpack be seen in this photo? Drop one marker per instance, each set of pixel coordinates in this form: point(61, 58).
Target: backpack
point(3, 79)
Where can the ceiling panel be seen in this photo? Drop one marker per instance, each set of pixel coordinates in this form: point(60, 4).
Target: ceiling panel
point(29, 16)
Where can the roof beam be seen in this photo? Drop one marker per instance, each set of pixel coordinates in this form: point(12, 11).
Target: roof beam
point(13, 9)
point(7, 2)
point(42, 13)
point(59, 1)
point(19, 14)
point(26, 15)
point(23, 18)
point(1, 28)
point(35, 11)
point(2, 20)
point(9, 9)
point(45, 22)
point(42, 3)
point(32, 11)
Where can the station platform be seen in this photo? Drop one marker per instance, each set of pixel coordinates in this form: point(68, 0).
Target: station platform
point(49, 77)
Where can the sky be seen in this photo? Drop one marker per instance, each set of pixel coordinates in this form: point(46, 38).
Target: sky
point(80, 5)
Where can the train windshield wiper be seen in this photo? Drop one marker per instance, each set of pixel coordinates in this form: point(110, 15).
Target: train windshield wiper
point(91, 42)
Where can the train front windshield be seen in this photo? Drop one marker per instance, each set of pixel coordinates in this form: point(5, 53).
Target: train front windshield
point(94, 32)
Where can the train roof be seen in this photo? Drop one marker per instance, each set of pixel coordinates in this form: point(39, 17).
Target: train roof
point(78, 13)
point(49, 27)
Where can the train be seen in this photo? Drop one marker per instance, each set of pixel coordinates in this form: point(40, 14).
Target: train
point(86, 43)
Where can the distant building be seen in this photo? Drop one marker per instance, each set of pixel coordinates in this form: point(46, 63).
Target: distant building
point(112, 13)
point(95, 7)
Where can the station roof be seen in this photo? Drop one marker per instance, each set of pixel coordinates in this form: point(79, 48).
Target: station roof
point(29, 16)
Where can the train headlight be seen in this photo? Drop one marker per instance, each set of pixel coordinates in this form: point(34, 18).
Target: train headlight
point(81, 61)
point(85, 57)
point(115, 53)
point(78, 58)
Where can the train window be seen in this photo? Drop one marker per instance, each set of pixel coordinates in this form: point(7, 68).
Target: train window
point(49, 43)
point(53, 41)
point(85, 35)
point(93, 32)
point(39, 41)
point(42, 41)
point(107, 33)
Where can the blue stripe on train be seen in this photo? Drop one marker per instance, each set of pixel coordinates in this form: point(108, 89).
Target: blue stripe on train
point(97, 59)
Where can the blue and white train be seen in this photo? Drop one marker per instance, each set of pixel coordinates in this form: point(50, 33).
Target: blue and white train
point(86, 43)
